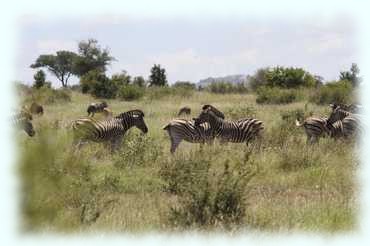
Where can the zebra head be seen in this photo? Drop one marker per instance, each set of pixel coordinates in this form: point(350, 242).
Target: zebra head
point(28, 128)
point(103, 104)
point(217, 112)
point(337, 114)
point(137, 118)
point(204, 116)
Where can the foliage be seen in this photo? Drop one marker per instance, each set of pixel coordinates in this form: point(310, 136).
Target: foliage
point(207, 198)
point(351, 75)
point(273, 95)
point(61, 64)
point(258, 79)
point(98, 84)
point(184, 84)
point(91, 57)
point(39, 78)
point(121, 79)
point(130, 92)
point(226, 87)
point(157, 76)
point(289, 77)
point(139, 81)
point(336, 91)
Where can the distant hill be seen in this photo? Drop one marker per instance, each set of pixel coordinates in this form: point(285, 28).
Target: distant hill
point(235, 79)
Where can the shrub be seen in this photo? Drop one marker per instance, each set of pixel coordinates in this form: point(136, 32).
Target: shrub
point(156, 92)
point(273, 95)
point(225, 87)
point(39, 78)
point(338, 92)
point(130, 92)
point(139, 150)
point(47, 95)
point(98, 84)
point(289, 77)
point(207, 199)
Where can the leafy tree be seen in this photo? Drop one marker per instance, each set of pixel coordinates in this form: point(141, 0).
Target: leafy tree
point(39, 78)
point(98, 84)
point(352, 75)
point(91, 57)
point(139, 81)
point(121, 79)
point(61, 65)
point(258, 79)
point(289, 77)
point(157, 76)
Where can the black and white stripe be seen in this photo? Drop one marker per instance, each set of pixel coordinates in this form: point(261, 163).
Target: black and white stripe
point(351, 123)
point(23, 121)
point(243, 130)
point(111, 130)
point(182, 129)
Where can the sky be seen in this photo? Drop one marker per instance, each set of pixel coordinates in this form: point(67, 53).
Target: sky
point(194, 49)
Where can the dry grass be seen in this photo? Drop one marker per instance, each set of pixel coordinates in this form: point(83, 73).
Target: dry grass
point(295, 187)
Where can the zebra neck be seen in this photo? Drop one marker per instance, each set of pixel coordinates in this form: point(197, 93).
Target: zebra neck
point(215, 122)
point(127, 123)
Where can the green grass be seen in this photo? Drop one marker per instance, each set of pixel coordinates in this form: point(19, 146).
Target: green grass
point(294, 187)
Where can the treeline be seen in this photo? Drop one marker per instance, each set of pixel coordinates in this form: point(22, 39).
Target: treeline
point(274, 85)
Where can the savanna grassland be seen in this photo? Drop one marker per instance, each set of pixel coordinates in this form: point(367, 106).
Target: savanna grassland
point(276, 184)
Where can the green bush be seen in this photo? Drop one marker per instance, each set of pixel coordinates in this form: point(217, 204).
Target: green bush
point(130, 92)
point(156, 92)
point(338, 92)
point(273, 95)
point(207, 198)
point(225, 87)
point(98, 84)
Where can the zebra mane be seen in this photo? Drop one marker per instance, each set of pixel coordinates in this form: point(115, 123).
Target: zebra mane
point(217, 112)
point(135, 111)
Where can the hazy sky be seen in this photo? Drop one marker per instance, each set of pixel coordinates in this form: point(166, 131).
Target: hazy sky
point(195, 49)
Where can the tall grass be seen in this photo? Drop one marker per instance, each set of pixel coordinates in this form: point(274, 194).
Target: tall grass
point(279, 184)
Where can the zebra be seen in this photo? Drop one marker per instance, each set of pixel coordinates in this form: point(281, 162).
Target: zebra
point(23, 121)
point(184, 110)
point(352, 108)
point(314, 127)
point(182, 129)
point(96, 108)
point(110, 130)
point(243, 130)
point(351, 122)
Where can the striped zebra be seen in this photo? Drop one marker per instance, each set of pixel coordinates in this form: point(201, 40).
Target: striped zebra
point(315, 127)
point(110, 130)
point(182, 129)
point(23, 121)
point(351, 123)
point(243, 130)
point(184, 110)
point(352, 108)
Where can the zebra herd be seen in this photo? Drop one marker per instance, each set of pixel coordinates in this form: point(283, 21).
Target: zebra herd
point(340, 123)
point(209, 125)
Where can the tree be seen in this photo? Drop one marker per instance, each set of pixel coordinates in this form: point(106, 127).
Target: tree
point(139, 81)
point(157, 76)
point(61, 65)
point(352, 75)
point(121, 79)
point(289, 77)
point(98, 84)
point(39, 78)
point(258, 79)
point(91, 57)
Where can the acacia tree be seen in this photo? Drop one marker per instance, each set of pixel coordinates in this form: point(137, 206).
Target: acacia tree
point(91, 57)
point(61, 65)
point(157, 76)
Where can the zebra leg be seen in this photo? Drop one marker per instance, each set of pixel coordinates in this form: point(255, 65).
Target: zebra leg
point(174, 144)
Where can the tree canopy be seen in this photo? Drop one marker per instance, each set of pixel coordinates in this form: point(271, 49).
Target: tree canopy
point(61, 64)
point(91, 57)
point(39, 78)
point(157, 76)
point(352, 75)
